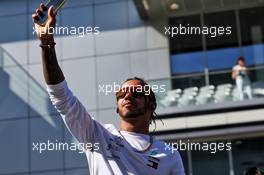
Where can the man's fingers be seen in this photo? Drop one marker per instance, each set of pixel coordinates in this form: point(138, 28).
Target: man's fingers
point(43, 7)
point(51, 13)
point(39, 12)
point(35, 17)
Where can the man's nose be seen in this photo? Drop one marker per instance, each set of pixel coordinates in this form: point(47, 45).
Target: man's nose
point(129, 95)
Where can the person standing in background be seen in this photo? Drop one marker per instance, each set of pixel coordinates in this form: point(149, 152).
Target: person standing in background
point(240, 74)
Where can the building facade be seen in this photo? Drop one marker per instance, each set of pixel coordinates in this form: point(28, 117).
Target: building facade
point(129, 45)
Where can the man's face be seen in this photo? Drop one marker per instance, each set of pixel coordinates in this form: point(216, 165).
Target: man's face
point(241, 63)
point(131, 100)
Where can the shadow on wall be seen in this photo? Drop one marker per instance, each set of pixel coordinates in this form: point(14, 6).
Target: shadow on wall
point(20, 90)
point(27, 117)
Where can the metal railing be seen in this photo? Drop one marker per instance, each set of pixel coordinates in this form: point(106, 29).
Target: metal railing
point(195, 90)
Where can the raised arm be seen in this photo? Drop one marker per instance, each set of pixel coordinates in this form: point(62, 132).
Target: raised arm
point(51, 69)
point(81, 125)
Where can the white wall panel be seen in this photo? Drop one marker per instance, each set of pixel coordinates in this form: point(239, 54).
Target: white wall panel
point(115, 41)
point(17, 51)
point(137, 38)
point(139, 64)
point(80, 75)
point(76, 46)
point(14, 146)
point(158, 64)
point(12, 7)
point(111, 69)
point(44, 132)
point(155, 39)
point(39, 101)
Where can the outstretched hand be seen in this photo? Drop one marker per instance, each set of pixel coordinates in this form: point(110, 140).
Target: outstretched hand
point(45, 31)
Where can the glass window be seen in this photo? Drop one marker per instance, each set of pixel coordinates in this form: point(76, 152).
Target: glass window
point(247, 153)
point(184, 156)
point(49, 173)
point(187, 62)
point(222, 58)
point(105, 1)
point(10, 31)
point(12, 7)
point(48, 132)
point(78, 3)
point(253, 54)
point(205, 162)
point(223, 30)
point(257, 76)
point(39, 101)
point(209, 4)
point(249, 1)
point(134, 18)
point(186, 82)
point(77, 17)
point(252, 25)
point(13, 91)
point(73, 159)
point(14, 146)
point(111, 16)
point(77, 172)
point(193, 5)
point(231, 3)
point(221, 78)
point(185, 42)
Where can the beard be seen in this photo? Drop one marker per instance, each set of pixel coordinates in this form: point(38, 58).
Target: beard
point(132, 114)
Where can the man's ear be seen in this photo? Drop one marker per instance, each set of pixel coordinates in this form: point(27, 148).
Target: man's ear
point(117, 110)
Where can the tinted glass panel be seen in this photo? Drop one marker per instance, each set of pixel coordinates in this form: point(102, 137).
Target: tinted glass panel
point(205, 162)
point(252, 25)
point(187, 62)
point(254, 54)
point(253, 154)
point(222, 58)
point(111, 16)
point(223, 29)
point(185, 42)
